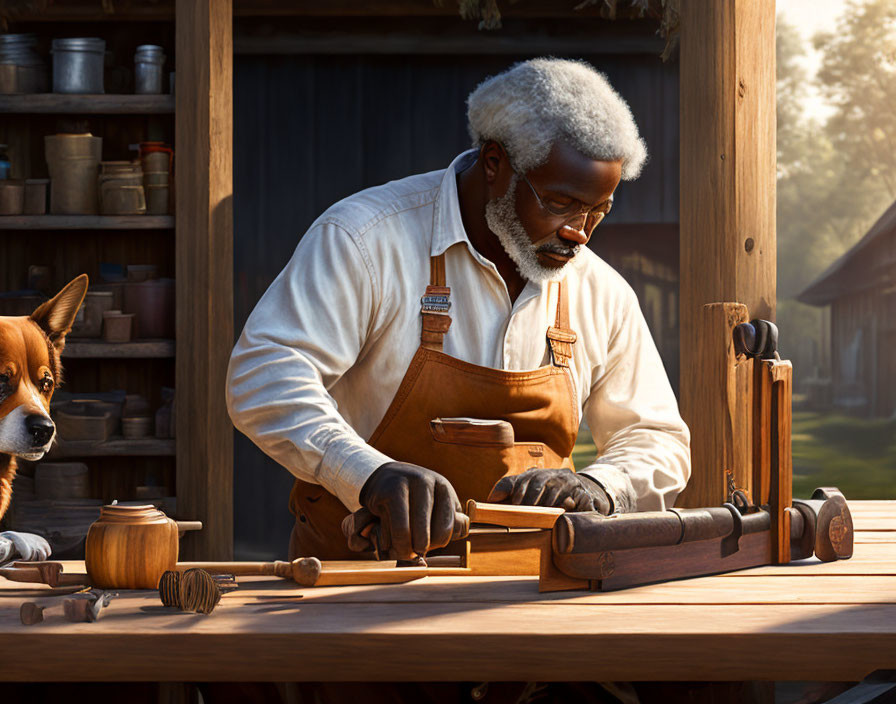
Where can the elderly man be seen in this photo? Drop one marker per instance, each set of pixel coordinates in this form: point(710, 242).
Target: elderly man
point(466, 294)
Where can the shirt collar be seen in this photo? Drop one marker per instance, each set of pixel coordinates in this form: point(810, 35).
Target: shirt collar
point(447, 225)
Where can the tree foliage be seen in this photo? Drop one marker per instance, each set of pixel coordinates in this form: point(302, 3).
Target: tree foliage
point(834, 177)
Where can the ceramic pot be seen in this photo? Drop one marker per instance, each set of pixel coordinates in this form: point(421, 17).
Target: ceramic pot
point(12, 197)
point(117, 326)
point(153, 304)
point(129, 547)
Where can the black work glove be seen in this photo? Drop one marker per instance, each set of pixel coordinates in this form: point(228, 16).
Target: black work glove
point(415, 506)
point(552, 487)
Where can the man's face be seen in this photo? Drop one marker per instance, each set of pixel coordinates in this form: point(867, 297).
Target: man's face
point(542, 224)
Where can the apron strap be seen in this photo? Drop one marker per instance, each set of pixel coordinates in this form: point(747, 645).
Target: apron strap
point(560, 337)
point(435, 305)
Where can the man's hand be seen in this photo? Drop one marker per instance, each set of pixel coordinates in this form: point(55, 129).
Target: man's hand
point(415, 506)
point(552, 487)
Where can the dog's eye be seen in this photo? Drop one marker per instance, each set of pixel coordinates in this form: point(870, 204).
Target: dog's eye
point(45, 384)
point(4, 378)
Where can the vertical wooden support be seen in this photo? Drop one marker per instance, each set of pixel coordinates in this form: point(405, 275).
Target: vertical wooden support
point(723, 388)
point(762, 438)
point(727, 183)
point(779, 377)
point(204, 266)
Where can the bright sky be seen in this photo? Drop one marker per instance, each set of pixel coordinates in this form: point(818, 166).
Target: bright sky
point(809, 17)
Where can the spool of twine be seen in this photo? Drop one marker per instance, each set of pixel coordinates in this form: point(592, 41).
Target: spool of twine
point(169, 588)
point(194, 590)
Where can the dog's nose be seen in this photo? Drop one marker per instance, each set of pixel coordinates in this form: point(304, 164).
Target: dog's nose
point(40, 428)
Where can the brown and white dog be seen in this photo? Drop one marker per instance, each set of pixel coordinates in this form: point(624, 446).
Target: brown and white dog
point(30, 370)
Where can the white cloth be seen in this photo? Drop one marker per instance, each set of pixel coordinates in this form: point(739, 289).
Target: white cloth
point(326, 347)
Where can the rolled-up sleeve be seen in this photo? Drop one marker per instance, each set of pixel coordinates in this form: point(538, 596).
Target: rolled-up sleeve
point(303, 335)
point(643, 445)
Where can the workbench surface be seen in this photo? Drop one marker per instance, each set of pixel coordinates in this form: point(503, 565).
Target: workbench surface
point(804, 621)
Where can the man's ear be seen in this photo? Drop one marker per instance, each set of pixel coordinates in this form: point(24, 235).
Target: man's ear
point(493, 156)
point(55, 317)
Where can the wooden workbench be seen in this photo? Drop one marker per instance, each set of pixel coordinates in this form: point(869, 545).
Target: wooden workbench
point(806, 621)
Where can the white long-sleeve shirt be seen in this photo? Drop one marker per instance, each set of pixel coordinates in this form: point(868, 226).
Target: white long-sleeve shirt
point(326, 347)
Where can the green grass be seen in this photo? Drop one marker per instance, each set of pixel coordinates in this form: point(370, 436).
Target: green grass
point(856, 455)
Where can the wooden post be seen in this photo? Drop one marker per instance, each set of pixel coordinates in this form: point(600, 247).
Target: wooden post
point(727, 181)
point(723, 393)
point(204, 271)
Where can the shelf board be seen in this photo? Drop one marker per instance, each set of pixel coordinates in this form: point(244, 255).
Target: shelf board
point(60, 103)
point(116, 446)
point(86, 222)
point(85, 348)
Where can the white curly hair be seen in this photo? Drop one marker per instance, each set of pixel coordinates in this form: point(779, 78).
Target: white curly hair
point(538, 102)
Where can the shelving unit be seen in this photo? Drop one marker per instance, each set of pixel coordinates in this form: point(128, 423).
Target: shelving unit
point(86, 222)
point(138, 349)
point(116, 446)
point(55, 103)
point(194, 247)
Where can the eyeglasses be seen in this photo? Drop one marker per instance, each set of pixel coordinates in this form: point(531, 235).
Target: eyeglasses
point(569, 211)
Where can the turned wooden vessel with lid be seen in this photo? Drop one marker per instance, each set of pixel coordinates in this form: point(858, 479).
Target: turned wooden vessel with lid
point(129, 547)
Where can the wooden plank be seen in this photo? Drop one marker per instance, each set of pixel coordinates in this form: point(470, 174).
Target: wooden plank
point(116, 446)
point(511, 516)
point(872, 510)
point(722, 381)
point(255, 638)
point(204, 266)
point(103, 104)
point(884, 536)
point(330, 43)
point(164, 10)
point(86, 222)
point(727, 204)
point(870, 558)
point(875, 523)
point(730, 589)
point(406, 8)
point(97, 349)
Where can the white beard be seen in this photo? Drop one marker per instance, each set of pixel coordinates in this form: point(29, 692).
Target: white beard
point(501, 217)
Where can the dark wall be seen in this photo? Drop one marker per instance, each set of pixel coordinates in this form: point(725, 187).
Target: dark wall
point(311, 129)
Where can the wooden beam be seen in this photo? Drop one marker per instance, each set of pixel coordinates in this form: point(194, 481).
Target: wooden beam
point(494, 43)
point(204, 272)
point(728, 245)
point(723, 394)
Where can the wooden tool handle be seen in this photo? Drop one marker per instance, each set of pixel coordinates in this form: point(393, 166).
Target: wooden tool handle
point(50, 573)
point(239, 569)
point(304, 570)
point(22, 574)
point(188, 525)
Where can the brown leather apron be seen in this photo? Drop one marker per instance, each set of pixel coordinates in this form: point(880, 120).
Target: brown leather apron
point(541, 406)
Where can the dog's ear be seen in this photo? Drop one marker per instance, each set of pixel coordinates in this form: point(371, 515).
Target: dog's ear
point(55, 317)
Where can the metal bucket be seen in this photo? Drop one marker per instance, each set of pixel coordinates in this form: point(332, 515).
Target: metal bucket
point(148, 62)
point(22, 68)
point(73, 162)
point(78, 65)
